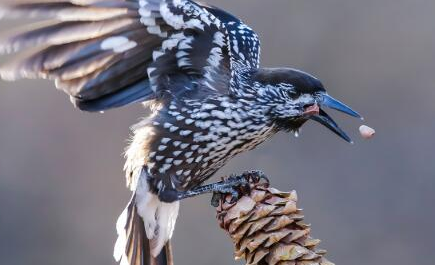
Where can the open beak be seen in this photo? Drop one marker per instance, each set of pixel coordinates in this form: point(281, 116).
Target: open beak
point(330, 102)
point(323, 118)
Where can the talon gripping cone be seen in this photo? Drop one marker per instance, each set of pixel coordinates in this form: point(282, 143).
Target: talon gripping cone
point(267, 228)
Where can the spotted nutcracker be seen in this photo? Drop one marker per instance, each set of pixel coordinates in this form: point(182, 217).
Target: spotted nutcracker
point(195, 66)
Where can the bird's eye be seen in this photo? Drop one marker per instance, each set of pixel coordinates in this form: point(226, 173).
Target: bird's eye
point(291, 93)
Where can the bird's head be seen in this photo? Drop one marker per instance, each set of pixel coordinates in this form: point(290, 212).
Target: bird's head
point(294, 97)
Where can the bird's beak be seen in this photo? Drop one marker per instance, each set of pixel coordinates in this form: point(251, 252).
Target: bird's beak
point(330, 102)
point(323, 118)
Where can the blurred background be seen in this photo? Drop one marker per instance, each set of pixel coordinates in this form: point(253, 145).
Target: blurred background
point(62, 185)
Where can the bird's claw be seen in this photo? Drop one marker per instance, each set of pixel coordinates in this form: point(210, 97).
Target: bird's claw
point(236, 185)
point(233, 186)
point(234, 196)
point(222, 195)
point(255, 176)
point(216, 198)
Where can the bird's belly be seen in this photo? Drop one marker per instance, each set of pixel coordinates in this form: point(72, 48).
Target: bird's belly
point(191, 168)
point(184, 149)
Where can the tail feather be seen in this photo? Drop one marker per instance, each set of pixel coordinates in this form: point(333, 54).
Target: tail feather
point(132, 246)
point(165, 257)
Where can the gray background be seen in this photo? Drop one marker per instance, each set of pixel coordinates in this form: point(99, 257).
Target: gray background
point(61, 179)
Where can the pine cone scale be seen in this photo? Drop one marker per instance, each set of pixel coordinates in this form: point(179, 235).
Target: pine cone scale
point(267, 228)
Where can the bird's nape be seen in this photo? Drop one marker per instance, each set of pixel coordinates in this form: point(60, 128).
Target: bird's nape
point(324, 100)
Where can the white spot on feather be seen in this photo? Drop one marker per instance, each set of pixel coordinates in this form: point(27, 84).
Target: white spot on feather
point(165, 140)
point(118, 44)
point(176, 21)
point(162, 147)
point(185, 132)
point(198, 159)
point(164, 168)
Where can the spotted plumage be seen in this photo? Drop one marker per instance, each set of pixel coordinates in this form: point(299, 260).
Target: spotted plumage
point(195, 66)
point(210, 133)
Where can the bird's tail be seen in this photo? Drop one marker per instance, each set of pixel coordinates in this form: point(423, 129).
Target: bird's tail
point(132, 246)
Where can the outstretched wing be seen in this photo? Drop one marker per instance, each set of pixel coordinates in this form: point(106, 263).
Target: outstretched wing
point(243, 41)
point(109, 53)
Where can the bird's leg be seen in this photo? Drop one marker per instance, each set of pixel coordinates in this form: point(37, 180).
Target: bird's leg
point(227, 186)
point(232, 185)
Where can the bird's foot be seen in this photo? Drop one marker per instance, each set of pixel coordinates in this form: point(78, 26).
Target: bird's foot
point(236, 186)
point(255, 176)
point(233, 186)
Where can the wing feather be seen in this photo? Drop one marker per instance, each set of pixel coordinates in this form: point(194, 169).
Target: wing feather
point(66, 11)
point(56, 33)
point(101, 51)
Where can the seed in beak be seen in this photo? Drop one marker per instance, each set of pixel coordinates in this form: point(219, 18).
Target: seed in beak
point(366, 132)
point(312, 110)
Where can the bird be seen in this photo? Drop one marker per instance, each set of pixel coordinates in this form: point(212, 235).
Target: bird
point(196, 68)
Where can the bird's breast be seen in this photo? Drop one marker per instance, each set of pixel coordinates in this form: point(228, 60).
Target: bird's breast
point(192, 140)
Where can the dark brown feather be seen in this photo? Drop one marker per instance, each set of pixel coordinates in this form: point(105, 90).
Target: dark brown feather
point(48, 61)
point(65, 11)
point(49, 33)
point(132, 5)
point(84, 67)
point(108, 79)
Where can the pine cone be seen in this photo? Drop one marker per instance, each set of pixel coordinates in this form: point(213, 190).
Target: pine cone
point(267, 228)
